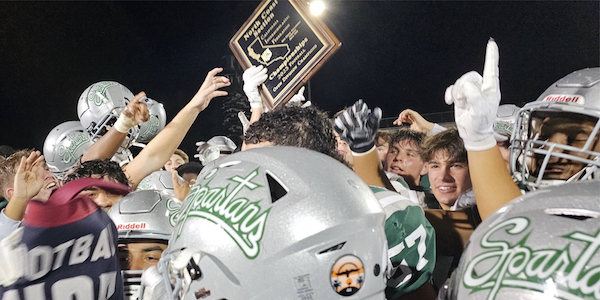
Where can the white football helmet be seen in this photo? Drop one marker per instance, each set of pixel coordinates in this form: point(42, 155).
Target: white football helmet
point(156, 123)
point(273, 223)
point(556, 137)
point(64, 146)
point(159, 180)
point(142, 216)
point(122, 157)
point(543, 245)
point(211, 150)
point(100, 105)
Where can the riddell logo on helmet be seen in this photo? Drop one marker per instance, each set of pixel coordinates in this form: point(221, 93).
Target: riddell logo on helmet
point(131, 226)
point(565, 98)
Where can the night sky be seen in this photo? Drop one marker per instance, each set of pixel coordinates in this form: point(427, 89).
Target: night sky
point(395, 54)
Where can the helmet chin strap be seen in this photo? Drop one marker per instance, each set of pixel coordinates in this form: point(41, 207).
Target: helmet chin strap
point(587, 173)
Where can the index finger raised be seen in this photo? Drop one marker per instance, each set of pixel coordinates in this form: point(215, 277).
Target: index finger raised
point(490, 68)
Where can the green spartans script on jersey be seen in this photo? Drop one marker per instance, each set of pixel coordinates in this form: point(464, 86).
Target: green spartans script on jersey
point(411, 242)
point(241, 219)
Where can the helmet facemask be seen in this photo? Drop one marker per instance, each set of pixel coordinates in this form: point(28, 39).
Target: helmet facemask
point(554, 144)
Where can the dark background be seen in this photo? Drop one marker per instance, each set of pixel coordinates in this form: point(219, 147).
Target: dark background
point(395, 54)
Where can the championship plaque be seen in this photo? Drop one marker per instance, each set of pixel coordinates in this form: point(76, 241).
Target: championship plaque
point(286, 39)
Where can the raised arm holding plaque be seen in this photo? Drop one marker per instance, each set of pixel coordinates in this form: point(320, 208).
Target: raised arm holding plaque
point(287, 40)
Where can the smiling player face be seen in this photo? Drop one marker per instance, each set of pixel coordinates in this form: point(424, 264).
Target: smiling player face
point(448, 178)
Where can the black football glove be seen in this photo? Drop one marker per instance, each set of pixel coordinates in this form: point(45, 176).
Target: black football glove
point(358, 125)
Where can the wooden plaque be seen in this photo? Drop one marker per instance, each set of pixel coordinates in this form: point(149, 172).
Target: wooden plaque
point(289, 41)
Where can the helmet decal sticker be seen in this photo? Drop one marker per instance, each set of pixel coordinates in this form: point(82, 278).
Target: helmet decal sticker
point(201, 293)
point(518, 266)
point(98, 92)
point(242, 219)
point(304, 289)
point(347, 275)
point(76, 140)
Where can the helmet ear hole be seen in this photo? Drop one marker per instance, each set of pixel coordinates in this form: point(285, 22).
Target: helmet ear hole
point(276, 188)
point(575, 214)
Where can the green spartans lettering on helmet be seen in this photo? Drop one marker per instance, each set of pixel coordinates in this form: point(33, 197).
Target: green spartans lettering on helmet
point(97, 93)
point(519, 266)
point(151, 128)
point(241, 219)
point(67, 153)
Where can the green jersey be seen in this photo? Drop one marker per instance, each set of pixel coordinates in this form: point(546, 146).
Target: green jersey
point(411, 243)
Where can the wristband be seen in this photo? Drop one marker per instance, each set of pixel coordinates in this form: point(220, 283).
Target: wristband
point(485, 144)
point(257, 104)
point(124, 123)
point(364, 153)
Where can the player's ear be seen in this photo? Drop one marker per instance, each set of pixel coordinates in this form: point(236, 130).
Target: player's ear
point(425, 169)
point(10, 192)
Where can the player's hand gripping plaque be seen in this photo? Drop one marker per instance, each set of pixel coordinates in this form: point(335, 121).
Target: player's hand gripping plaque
point(286, 39)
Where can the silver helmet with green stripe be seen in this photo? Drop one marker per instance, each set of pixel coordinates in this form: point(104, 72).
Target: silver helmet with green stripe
point(99, 107)
point(144, 221)
point(557, 137)
point(544, 245)
point(277, 221)
point(64, 146)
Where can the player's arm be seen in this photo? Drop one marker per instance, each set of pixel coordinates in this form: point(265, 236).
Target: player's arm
point(161, 147)
point(488, 165)
point(412, 252)
point(368, 167)
point(476, 99)
point(135, 113)
point(357, 126)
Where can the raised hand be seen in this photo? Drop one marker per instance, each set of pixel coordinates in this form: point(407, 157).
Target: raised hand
point(416, 121)
point(29, 177)
point(299, 99)
point(253, 77)
point(210, 89)
point(135, 113)
point(137, 110)
point(358, 125)
point(476, 100)
point(181, 190)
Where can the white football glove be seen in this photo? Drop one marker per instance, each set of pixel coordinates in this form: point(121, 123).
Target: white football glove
point(476, 101)
point(299, 100)
point(244, 120)
point(253, 77)
point(153, 287)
